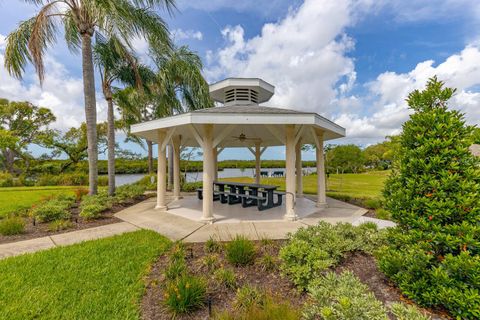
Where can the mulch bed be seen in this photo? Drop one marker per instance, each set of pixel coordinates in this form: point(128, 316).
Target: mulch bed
point(361, 264)
point(42, 229)
point(222, 298)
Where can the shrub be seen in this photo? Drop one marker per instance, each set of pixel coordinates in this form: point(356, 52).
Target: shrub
point(268, 262)
point(79, 193)
point(55, 209)
point(12, 225)
point(373, 203)
point(248, 296)
point(240, 251)
point(403, 311)
point(383, 214)
point(129, 192)
point(342, 297)
point(185, 294)
point(146, 182)
point(6, 179)
point(212, 245)
point(191, 186)
point(433, 195)
point(210, 261)
point(92, 206)
point(312, 250)
point(226, 277)
point(269, 309)
point(59, 225)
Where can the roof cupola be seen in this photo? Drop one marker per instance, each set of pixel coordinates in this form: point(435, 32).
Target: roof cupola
point(241, 91)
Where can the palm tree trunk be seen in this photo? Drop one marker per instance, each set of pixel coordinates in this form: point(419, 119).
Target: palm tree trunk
point(111, 147)
point(150, 156)
point(90, 112)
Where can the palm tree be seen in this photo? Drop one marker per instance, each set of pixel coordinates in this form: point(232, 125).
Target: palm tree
point(177, 86)
point(81, 19)
point(116, 63)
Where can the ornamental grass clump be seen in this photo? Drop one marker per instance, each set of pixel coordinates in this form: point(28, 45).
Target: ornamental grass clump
point(240, 251)
point(433, 195)
point(185, 294)
point(11, 226)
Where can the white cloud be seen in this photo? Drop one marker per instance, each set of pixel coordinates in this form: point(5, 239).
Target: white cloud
point(390, 89)
point(180, 34)
point(61, 92)
point(303, 55)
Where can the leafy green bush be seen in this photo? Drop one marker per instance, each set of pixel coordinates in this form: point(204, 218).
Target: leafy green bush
point(6, 179)
point(373, 203)
point(226, 277)
point(129, 192)
point(212, 245)
point(59, 225)
point(92, 207)
point(312, 250)
point(403, 311)
point(240, 251)
point(342, 297)
point(191, 186)
point(248, 296)
point(55, 209)
point(185, 294)
point(383, 214)
point(433, 196)
point(12, 225)
point(146, 182)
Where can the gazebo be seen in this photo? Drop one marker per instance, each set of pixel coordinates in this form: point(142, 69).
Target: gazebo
point(241, 122)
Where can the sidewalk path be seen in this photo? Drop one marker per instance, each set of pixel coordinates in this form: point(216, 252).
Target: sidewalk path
point(64, 239)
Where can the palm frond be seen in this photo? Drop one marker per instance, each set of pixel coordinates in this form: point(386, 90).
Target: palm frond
point(17, 54)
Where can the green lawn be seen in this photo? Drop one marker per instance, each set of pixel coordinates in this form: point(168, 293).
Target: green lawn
point(18, 198)
point(361, 185)
point(100, 279)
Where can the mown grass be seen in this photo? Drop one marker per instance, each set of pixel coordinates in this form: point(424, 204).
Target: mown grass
point(101, 279)
point(14, 199)
point(360, 185)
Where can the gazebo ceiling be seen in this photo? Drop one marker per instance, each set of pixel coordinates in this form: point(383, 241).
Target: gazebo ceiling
point(255, 123)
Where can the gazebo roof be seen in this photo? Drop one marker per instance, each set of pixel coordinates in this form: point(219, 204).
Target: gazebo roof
point(266, 123)
point(241, 116)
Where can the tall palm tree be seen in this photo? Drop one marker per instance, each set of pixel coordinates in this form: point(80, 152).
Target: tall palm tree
point(116, 63)
point(178, 86)
point(81, 19)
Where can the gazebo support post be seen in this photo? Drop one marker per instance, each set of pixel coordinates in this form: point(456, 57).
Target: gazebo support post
point(208, 173)
point(298, 168)
point(290, 173)
point(321, 192)
point(215, 161)
point(257, 162)
point(176, 167)
point(161, 172)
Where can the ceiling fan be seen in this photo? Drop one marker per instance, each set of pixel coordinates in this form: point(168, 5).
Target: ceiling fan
point(242, 138)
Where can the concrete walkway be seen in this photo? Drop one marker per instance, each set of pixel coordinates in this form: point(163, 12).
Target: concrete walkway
point(64, 239)
point(178, 227)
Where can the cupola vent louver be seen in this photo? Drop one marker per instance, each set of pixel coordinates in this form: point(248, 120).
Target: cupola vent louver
point(241, 95)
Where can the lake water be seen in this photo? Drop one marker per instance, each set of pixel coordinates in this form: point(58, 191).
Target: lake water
point(121, 179)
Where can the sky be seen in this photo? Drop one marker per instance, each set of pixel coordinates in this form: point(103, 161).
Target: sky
point(352, 61)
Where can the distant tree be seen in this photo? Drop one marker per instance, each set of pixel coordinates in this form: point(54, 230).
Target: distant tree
point(381, 155)
point(345, 158)
point(21, 123)
point(72, 143)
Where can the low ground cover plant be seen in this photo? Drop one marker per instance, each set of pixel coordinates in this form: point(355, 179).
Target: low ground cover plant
point(433, 195)
point(311, 251)
point(93, 205)
point(57, 208)
point(11, 226)
point(240, 251)
point(59, 225)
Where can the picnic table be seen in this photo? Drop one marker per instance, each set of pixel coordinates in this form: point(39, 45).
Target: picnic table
point(248, 194)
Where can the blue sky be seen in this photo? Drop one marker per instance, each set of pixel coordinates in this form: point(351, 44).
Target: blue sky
point(351, 61)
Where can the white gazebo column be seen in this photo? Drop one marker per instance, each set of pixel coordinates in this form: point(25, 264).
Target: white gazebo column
point(176, 167)
point(290, 174)
point(321, 192)
point(257, 162)
point(215, 163)
point(298, 168)
point(208, 173)
point(161, 172)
